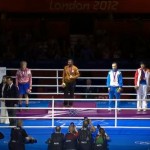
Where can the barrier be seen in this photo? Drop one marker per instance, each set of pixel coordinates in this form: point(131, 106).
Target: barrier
point(53, 100)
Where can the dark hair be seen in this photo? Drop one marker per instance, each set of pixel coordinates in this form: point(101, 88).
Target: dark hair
point(114, 63)
point(19, 123)
point(85, 124)
point(9, 77)
point(4, 76)
point(85, 118)
point(23, 61)
point(58, 129)
point(72, 124)
point(98, 126)
point(102, 132)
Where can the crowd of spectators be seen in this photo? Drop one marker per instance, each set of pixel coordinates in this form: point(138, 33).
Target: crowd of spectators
point(101, 45)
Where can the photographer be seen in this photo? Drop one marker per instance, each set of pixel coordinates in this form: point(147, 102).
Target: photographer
point(71, 138)
point(56, 141)
point(75, 131)
point(85, 137)
point(90, 125)
point(101, 140)
point(19, 138)
point(97, 132)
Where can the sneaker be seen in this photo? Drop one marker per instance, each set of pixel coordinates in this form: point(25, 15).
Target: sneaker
point(144, 110)
point(139, 110)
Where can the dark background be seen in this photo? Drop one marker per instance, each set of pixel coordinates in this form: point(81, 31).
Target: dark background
point(93, 40)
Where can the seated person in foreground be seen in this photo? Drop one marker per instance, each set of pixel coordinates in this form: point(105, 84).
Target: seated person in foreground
point(56, 142)
point(71, 138)
point(101, 140)
point(85, 137)
point(19, 138)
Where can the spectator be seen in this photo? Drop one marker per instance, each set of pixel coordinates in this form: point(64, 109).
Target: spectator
point(87, 53)
point(117, 54)
point(106, 55)
point(8, 54)
point(77, 48)
point(89, 90)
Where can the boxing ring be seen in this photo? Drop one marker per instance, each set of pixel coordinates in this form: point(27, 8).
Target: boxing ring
point(46, 105)
point(91, 108)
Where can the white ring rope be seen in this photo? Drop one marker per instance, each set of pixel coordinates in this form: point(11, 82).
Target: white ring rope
point(77, 99)
point(54, 109)
point(108, 127)
point(87, 70)
point(98, 78)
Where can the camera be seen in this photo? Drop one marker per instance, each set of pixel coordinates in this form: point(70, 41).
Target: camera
point(32, 140)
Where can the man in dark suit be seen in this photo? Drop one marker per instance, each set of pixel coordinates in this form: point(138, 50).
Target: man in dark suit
point(89, 90)
point(11, 91)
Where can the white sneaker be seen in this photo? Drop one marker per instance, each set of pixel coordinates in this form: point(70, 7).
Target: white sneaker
point(139, 110)
point(144, 109)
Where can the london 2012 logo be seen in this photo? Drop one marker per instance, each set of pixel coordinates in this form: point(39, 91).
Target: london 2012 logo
point(86, 5)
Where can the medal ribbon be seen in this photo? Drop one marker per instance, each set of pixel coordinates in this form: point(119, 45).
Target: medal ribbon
point(114, 75)
point(70, 70)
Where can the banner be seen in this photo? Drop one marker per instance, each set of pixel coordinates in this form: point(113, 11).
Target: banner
point(2, 72)
point(75, 6)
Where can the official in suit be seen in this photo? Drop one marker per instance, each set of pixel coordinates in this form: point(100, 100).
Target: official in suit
point(89, 90)
point(11, 91)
